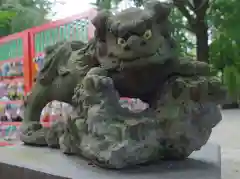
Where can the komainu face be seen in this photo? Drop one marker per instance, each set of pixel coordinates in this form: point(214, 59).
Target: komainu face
point(133, 33)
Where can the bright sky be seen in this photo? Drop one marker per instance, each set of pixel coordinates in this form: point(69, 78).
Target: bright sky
point(71, 7)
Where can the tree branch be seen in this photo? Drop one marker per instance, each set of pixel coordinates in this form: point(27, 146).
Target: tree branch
point(186, 27)
point(201, 7)
point(191, 6)
point(180, 5)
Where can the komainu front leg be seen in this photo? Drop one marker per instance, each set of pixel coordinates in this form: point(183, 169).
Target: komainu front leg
point(187, 109)
point(114, 137)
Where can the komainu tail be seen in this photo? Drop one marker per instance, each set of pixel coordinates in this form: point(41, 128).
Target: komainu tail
point(55, 62)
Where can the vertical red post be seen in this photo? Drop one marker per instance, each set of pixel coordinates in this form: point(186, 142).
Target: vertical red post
point(27, 70)
point(29, 43)
point(31, 36)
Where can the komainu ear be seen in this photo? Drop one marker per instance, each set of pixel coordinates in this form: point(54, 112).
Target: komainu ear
point(159, 10)
point(101, 24)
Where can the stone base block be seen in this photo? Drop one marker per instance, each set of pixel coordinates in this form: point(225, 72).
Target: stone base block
point(24, 162)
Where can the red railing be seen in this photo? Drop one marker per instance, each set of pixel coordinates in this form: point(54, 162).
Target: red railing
point(28, 49)
point(24, 57)
point(28, 43)
point(53, 25)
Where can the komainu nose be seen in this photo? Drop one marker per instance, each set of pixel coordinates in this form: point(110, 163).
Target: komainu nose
point(142, 43)
point(127, 48)
point(136, 43)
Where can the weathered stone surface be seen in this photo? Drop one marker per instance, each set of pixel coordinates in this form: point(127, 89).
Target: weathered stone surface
point(182, 94)
point(118, 138)
point(20, 162)
point(187, 114)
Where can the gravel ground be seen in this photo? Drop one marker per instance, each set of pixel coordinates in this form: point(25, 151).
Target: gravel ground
point(227, 135)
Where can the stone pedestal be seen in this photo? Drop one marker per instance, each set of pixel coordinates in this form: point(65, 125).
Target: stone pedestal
point(24, 162)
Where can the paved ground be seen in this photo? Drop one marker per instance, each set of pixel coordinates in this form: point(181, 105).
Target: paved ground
point(227, 134)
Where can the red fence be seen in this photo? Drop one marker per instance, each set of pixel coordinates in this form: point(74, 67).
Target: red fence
point(77, 27)
point(19, 51)
point(15, 49)
point(27, 45)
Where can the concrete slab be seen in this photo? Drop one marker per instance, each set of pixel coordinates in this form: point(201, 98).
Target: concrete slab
point(23, 162)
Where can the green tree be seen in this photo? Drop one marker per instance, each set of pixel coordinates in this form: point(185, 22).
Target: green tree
point(183, 36)
point(18, 15)
point(106, 4)
point(224, 49)
point(5, 18)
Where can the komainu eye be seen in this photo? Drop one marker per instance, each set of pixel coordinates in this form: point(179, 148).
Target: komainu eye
point(121, 41)
point(147, 34)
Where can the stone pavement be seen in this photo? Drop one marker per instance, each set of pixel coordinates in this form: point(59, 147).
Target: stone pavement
point(227, 134)
point(20, 162)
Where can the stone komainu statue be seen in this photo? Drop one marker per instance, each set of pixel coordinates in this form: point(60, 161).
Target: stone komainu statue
point(132, 55)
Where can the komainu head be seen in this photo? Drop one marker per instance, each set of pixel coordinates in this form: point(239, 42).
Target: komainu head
point(132, 33)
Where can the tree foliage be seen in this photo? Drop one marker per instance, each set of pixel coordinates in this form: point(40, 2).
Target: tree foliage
point(106, 4)
point(183, 37)
point(18, 15)
point(224, 49)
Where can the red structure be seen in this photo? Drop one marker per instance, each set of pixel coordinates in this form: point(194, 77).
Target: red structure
point(26, 46)
point(30, 43)
point(77, 27)
point(20, 42)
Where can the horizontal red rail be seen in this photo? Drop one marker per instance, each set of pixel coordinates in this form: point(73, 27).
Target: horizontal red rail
point(7, 79)
point(87, 14)
point(18, 124)
point(11, 60)
point(13, 37)
point(12, 102)
point(10, 123)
